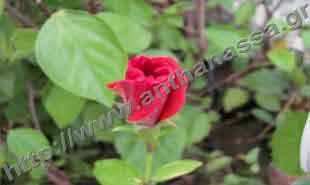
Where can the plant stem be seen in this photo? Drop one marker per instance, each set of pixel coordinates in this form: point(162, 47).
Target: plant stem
point(148, 167)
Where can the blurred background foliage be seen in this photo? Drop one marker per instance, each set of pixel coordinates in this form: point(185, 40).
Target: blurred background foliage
point(244, 120)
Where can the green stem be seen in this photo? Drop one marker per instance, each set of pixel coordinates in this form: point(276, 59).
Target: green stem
point(148, 167)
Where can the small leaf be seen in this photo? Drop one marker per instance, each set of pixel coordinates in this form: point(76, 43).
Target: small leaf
point(234, 98)
point(265, 81)
point(132, 36)
point(196, 123)
point(115, 172)
point(245, 12)
point(283, 59)
point(63, 106)
point(268, 102)
point(80, 53)
point(262, 115)
point(221, 37)
point(23, 141)
point(175, 169)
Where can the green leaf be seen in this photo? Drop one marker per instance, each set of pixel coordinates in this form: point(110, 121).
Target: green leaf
point(221, 37)
point(170, 37)
point(263, 115)
point(63, 106)
point(23, 42)
point(137, 10)
point(286, 142)
point(196, 123)
point(115, 172)
point(23, 141)
point(133, 149)
point(133, 37)
point(175, 169)
point(306, 38)
point(80, 53)
point(234, 98)
point(245, 12)
point(302, 182)
point(268, 102)
point(265, 81)
point(283, 59)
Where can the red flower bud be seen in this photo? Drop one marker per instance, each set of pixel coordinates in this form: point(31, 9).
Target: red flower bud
point(154, 87)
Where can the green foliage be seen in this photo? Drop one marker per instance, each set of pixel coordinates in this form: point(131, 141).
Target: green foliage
point(262, 115)
point(268, 102)
point(115, 172)
point(245, 12)
point(265, 81)
point(74, 67)
point(23, 141)
point(286, 142)
point(283, 58)
point(134, 39)
point(175, 169)
point(234, 98)
point(63, 106)
point(137, 10)
point(23, 41)
point(70, 56)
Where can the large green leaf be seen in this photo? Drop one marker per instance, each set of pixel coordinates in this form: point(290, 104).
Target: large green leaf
point(138, 10)
point(23, 141)
point(80, 53)
point(175, 169)
point(63, 106)
point(265, 81)
point(286, 142)
point(115, 172)
point(234, 98)
point(133, 37)
point(283, 59)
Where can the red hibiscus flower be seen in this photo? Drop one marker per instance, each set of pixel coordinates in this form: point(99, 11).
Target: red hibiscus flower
point(155, 88)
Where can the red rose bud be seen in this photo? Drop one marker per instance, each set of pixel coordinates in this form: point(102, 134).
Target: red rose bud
point(155, 88)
